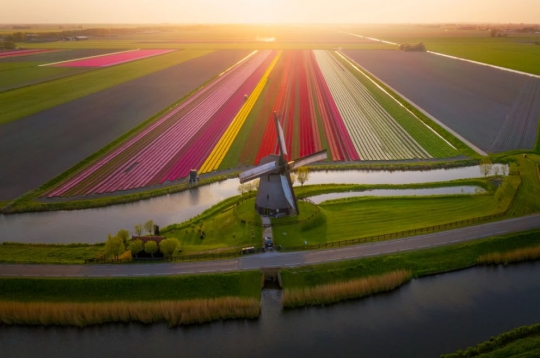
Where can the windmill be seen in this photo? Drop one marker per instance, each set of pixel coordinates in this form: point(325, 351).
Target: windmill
point(275, 196)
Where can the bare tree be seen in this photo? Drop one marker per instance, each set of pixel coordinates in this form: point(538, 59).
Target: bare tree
point(293, 178)
point(485, 166)
point(504, 170)
point(302, 174)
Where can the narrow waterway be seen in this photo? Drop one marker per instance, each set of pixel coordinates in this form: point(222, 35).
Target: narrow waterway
point(424, 318)
point(93, 225)
point(451, 190)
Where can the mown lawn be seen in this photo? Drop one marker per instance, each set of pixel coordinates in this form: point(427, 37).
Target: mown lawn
point(22, 102)
point(353, 218)
point(223, 231)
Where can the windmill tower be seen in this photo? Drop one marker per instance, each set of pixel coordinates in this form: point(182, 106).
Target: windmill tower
point(275, 196)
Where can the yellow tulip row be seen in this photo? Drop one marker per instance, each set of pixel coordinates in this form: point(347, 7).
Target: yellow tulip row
point(222, 147)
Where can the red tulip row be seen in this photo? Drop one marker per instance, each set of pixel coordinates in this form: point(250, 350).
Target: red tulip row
point(303, 97)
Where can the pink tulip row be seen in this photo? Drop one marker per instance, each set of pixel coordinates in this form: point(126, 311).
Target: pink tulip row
point(112, 59)
point(174, 144)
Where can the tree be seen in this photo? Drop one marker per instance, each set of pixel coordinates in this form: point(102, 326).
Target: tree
point(138, 229)
point(124, 235)
point(485, 166)
point(168, 247)
point(504, 170)
point(114, 246)
point(149, 226)
point(8, 45)
point(302, 175)
point(151, 248)
point(242, 189)
point(136, 246)
point(293, 178)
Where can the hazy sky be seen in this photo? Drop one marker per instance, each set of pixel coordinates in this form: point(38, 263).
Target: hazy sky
point(273, 11)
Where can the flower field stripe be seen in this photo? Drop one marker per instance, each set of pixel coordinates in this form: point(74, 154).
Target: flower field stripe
point(334, 119)
point(258, 117)
point(315, 131)
point(135, 163)
point(85, 58)
point(218, 153)
point(269, 142)
point(112, 59)
point(208, 138)
point(376, 135)
point(155, 127)
point(152, 158)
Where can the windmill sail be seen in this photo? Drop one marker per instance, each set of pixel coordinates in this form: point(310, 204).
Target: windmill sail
point(275, 195)
point(258, 171)
point(289, 193)
point(308, 159)
point(281, 137)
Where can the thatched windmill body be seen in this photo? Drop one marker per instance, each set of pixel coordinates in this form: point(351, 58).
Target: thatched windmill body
point(275, 196)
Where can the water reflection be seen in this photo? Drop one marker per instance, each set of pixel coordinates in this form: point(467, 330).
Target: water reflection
point(424, 318)
point(93, 225)
point(463, 189)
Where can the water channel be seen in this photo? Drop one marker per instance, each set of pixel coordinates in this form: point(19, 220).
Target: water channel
point(424, 318)
point(93, 225)
point(451, 190)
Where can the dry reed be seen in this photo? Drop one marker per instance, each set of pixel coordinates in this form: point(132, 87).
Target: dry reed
point(173, 312)
point(340, 291)
point(525, 254)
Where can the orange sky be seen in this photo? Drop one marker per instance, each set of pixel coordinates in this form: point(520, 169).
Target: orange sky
point(269, 11)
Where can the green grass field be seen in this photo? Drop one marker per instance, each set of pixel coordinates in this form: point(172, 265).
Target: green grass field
point(521, 56)
point(420, 262)
point(521, 342)
point(20, 74)
point(22, 102)
point(241, 284)
point(223, 230)
point(48, 254)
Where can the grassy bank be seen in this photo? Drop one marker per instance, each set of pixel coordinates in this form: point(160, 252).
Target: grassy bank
point(176, 300)
point(419, 263)
point(30, 202)
point(48, 254)
point(339, 291)
point(522, 342)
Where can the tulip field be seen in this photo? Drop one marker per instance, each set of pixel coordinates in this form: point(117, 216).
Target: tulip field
point(228, 123)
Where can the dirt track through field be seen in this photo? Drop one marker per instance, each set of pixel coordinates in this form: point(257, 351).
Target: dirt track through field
point(39, 147)
point(475, 101)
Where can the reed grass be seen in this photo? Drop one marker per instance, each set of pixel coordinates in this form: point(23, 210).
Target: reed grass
point(335, 292)
point(175, 313)
point(518, 255)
